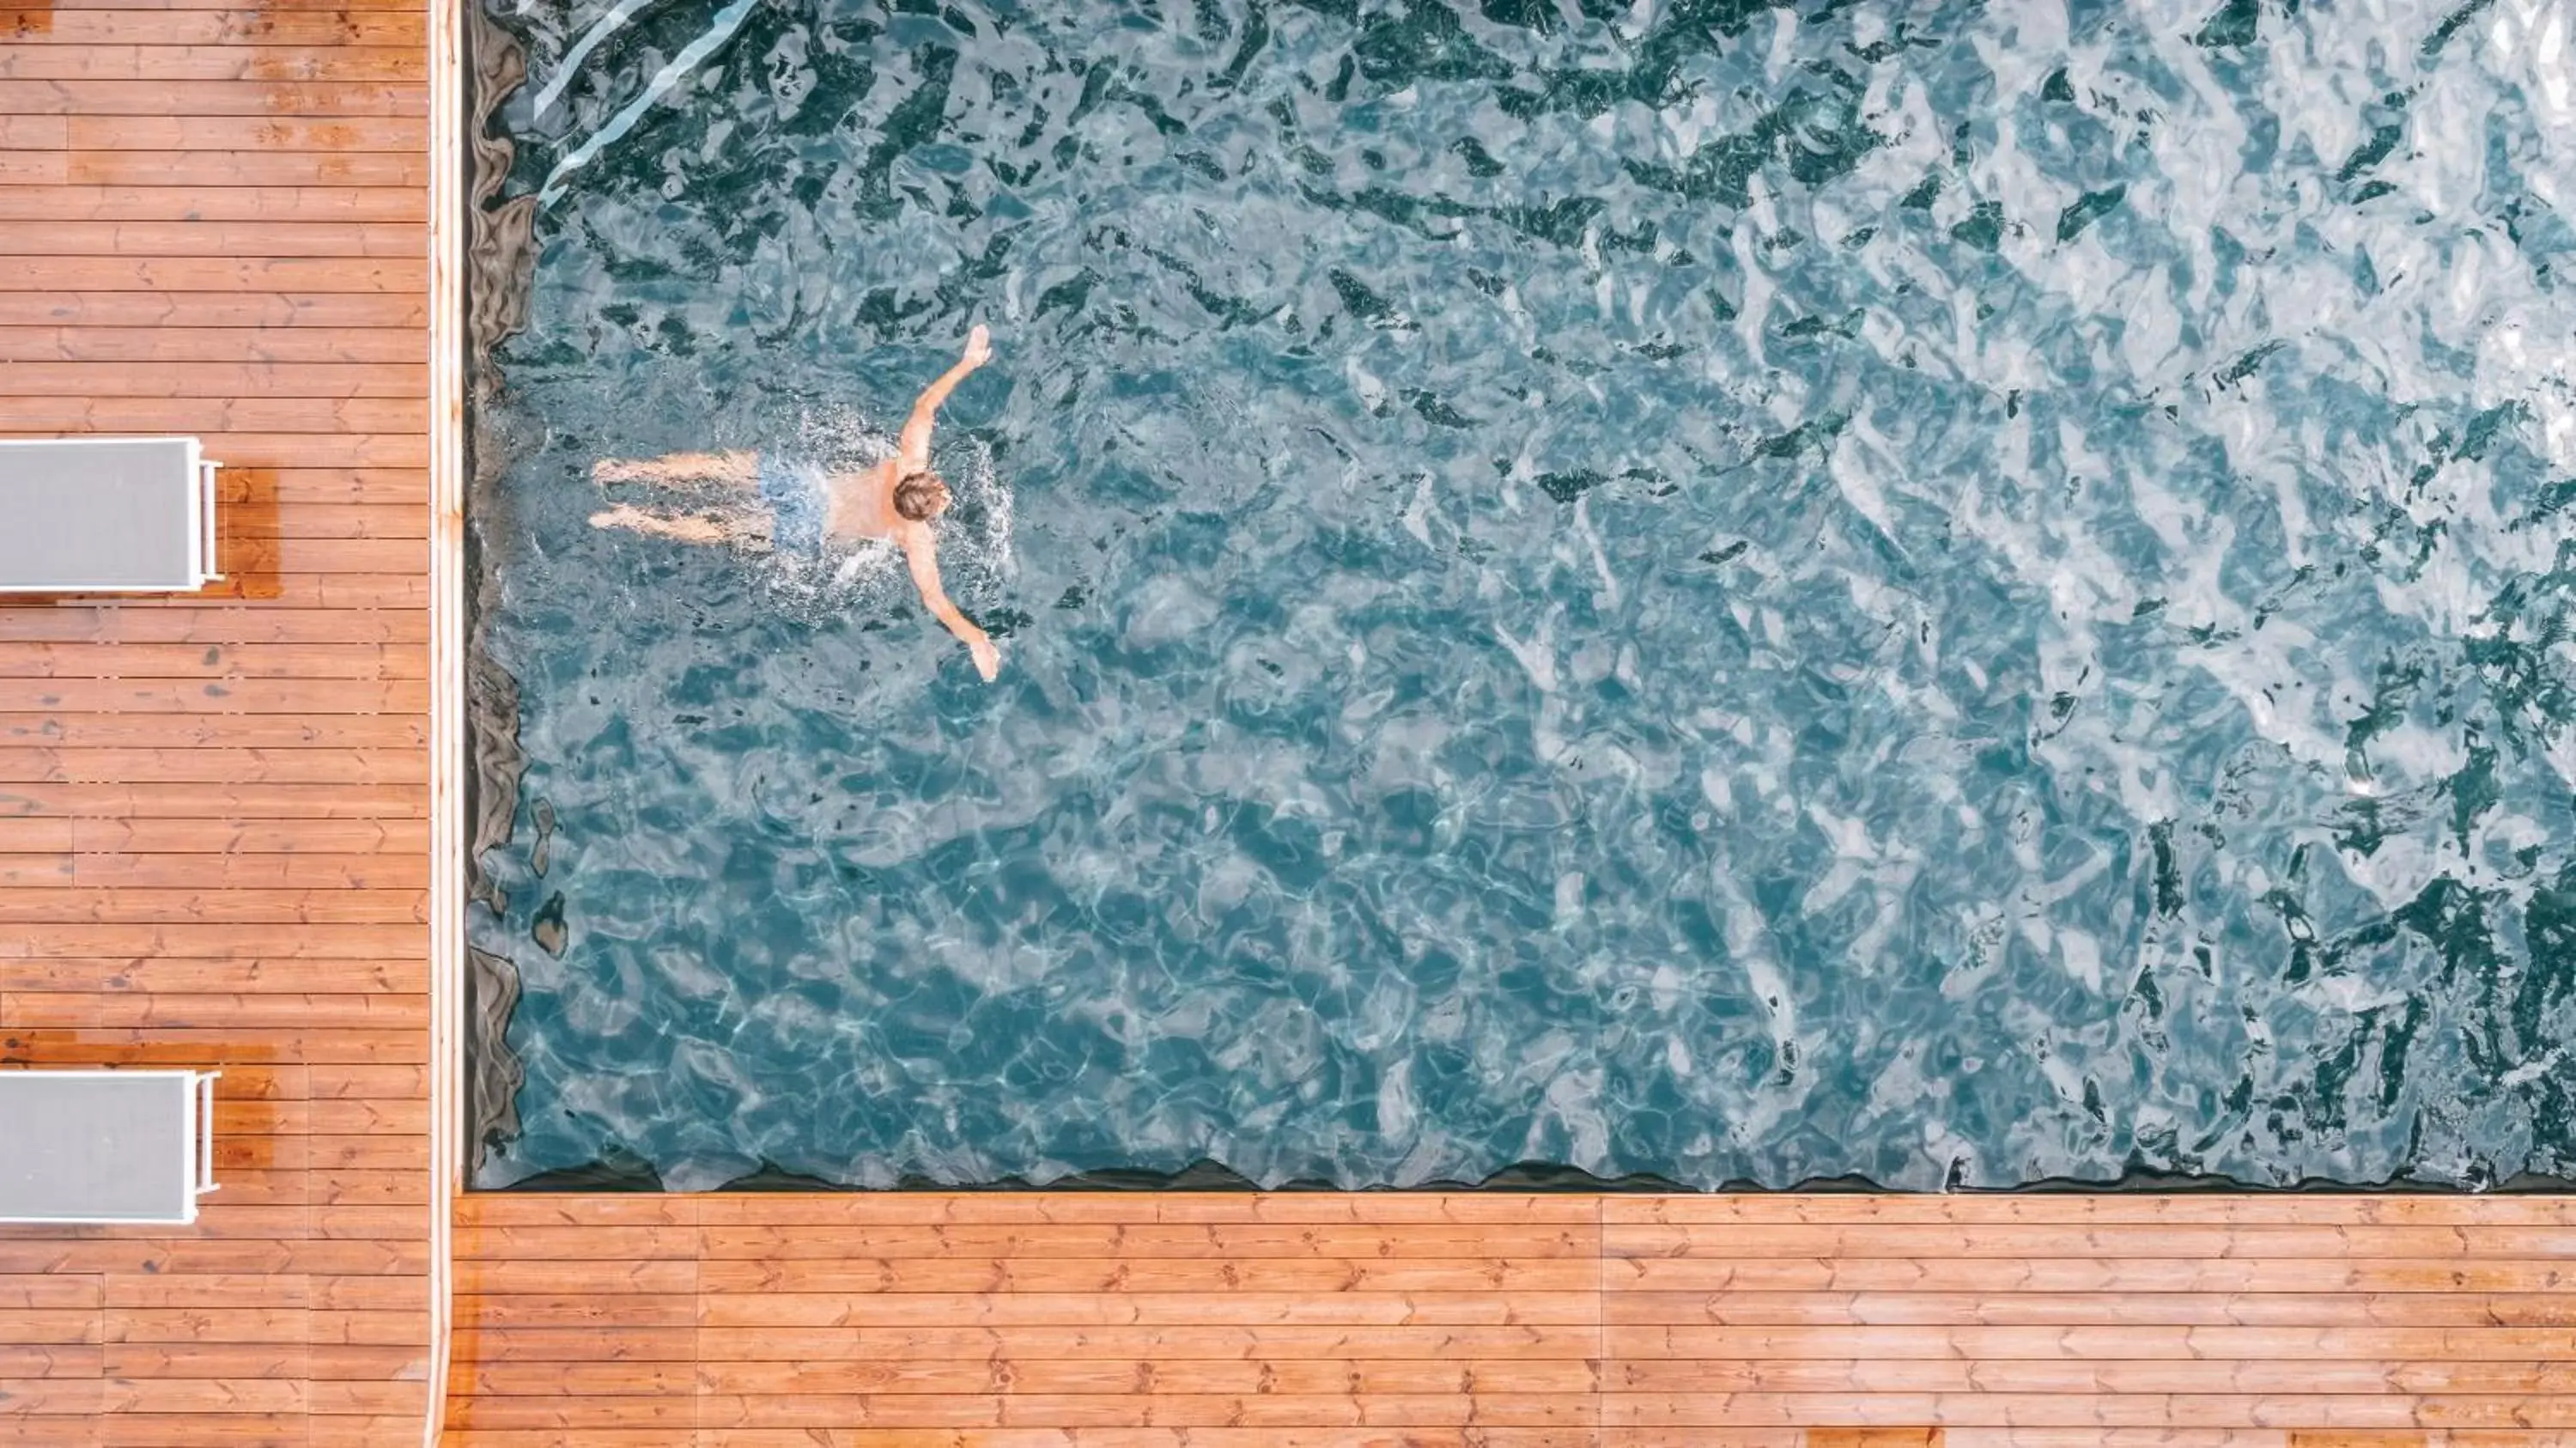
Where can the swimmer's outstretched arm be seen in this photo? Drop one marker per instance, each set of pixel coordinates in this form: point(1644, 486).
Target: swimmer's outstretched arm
point(912, 455)
point(923, 555)
point(724, 467)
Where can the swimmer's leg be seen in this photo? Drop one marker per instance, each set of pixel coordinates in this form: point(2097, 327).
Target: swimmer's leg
point(740, 468)
point(746, 527)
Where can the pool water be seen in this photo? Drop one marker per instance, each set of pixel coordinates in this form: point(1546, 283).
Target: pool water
point(1953, 594)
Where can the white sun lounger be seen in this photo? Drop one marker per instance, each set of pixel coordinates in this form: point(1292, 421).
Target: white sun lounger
point(106, 515)
point(105, 1146)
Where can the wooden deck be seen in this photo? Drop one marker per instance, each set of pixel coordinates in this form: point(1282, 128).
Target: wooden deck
point(216, 849)
point(214, 813)
point(1142, 1321)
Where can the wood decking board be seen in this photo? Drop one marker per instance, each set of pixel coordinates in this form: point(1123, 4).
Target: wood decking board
point(1171, 1320)
point(213, 812)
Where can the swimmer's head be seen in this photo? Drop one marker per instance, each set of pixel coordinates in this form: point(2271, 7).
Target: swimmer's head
point(920, 497)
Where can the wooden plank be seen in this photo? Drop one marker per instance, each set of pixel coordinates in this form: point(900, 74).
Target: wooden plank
point(55, 1293)
point(34, 168)
point(294, 488)
point(2091, 1342)
point(205, 1360)
point(236, 695)
point(1085, 1410)
point(257, 872)
point(2110, 1375)
point(1117, 1277)
point(81, 659)
point(52, 1325)
point(266, 205)
point(384, 1329)
point(212, 623)
point(34, 836)
point(118, 804)
point(1316, 1376)
point(1679, 1312)
point(1374, 1243)
point(287, 63)
point(231, 29)
point(574, 1420)
point(2140, 1240)
point(257, 96)
point(266, 452)
point(202, 379)
point(241, 345)
point(242, 168)
point(646, 1276)
point(34, 133)
point(229, 765)
point(1073, 1309)
point(217, 415)
point(1661, 1277)
point(478, 1344)
point(197, 1398)
point(274, 6)
point(373, 518)
point(310, 589)
point(227, 1291)
point(253, 731)
point(49, 1360)
point(228, 907)
point(365, 556)
point(181, 941)
point(191, 1255)
point(53, 1397)
point(37, 871)
point(1198, 1341)
point(574, 1310)
point(217, 977)
point(2184, 1410)
point(226, 1050)
point(254, 1010)
point(200, 309)
point(350, 1430)
point(477, 1214)
point(406, 135)
point(366, 1362)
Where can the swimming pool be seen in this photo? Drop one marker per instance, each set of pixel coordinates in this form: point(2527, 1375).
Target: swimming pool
point(1954, 595)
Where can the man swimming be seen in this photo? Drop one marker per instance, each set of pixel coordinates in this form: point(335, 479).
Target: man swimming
point(799, 505)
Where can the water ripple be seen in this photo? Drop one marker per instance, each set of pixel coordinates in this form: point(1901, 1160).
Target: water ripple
point(1958, 594)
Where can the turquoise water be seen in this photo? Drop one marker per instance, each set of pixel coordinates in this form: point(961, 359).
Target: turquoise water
point(1954, 594)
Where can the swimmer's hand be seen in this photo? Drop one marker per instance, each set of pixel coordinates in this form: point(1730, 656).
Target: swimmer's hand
point(988, 660)
point(979, 347)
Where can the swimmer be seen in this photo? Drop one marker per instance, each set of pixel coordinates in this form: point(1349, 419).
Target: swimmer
point(781, 502)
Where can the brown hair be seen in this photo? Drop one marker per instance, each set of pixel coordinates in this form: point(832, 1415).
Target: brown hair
point(918, 497)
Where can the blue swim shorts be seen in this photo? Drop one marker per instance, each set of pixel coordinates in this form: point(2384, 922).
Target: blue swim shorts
point(799, 499)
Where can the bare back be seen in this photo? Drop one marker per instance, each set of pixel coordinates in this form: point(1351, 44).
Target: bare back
point(863, 505)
